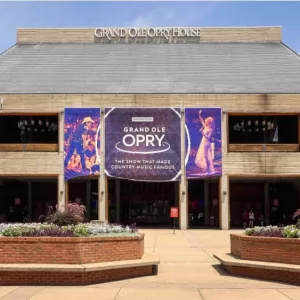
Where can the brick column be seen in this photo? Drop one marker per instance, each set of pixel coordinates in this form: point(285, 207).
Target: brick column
point(102, 181)
point(224, 202)
point(183, 208)
point(224, 209)
point(61, 199)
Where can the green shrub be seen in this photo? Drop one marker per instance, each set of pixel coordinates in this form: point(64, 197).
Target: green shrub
point(13, 231)
point(291, 231)
point(81, 230)
point(249, 231)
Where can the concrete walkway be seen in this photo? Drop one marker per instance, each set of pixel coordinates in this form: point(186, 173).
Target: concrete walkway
point(187, 271)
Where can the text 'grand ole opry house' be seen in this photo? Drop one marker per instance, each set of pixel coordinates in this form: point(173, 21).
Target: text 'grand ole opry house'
point(133, 121)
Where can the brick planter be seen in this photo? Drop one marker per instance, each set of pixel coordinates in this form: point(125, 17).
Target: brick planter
point(279, 250)
point(49, 250)
point(71, 278)
point(265, 274)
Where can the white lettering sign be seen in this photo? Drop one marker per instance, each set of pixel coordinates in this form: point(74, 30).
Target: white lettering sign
point(154, 138)
point(166, 33)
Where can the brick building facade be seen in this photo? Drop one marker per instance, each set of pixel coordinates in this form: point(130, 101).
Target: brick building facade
point(248, 72)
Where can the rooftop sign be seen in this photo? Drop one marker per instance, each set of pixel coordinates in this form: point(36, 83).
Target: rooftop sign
point(155, 34)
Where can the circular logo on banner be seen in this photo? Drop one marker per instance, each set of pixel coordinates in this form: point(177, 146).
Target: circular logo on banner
point(143, 143)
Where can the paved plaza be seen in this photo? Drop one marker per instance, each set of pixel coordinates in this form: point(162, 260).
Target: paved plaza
point(187, 271)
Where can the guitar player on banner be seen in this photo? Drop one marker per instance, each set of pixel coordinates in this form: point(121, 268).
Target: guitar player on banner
point(79, 141)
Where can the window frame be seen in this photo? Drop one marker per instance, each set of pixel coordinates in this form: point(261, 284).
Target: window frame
point(32, 147)
point(232, 147)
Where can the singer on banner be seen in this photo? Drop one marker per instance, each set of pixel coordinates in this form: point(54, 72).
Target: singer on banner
point(203, 142)
point(205, 154)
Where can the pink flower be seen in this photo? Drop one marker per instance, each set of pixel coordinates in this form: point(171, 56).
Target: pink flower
point(297, 214)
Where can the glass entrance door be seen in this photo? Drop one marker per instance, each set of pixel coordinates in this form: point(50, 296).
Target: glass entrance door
point(147, 203)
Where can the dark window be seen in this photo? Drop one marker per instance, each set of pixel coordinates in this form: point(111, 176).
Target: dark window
point(263, 130)
point(28, 129)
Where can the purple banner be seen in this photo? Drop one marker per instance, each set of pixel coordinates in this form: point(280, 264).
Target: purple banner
point(81, 142)
point(203, 142)
point(143, 143)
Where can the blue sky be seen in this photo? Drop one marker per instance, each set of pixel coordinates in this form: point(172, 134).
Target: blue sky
point(15, 15)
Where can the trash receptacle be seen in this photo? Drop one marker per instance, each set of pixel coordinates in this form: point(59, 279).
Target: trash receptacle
point(212, 221)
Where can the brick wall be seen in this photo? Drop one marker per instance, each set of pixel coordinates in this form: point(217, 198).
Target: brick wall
point(234, 163)
point(265, 274)
point(86, 35)
point(280, 250)
point(48, 250)
point(72, 278)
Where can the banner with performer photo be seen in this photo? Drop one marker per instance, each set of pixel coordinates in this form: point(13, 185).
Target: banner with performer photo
point(203, 142)
point(81, 142)
point(143, 143)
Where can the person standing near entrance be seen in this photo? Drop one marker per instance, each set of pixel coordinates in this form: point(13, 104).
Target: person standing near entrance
point(79, 141)
point(17, 211)
point(204, 157)
point(261, 219)
point(251, 219)
point(245, 217)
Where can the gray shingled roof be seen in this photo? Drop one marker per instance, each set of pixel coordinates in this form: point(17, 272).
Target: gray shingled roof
point(150, 68)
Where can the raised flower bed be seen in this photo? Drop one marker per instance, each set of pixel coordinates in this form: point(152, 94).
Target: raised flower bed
point(79, 244)
point(269, 244)
point(279, 250)
point(48, 254)
point(268, 253)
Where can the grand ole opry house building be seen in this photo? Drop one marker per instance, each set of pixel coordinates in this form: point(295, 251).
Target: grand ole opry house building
point(133, 121)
